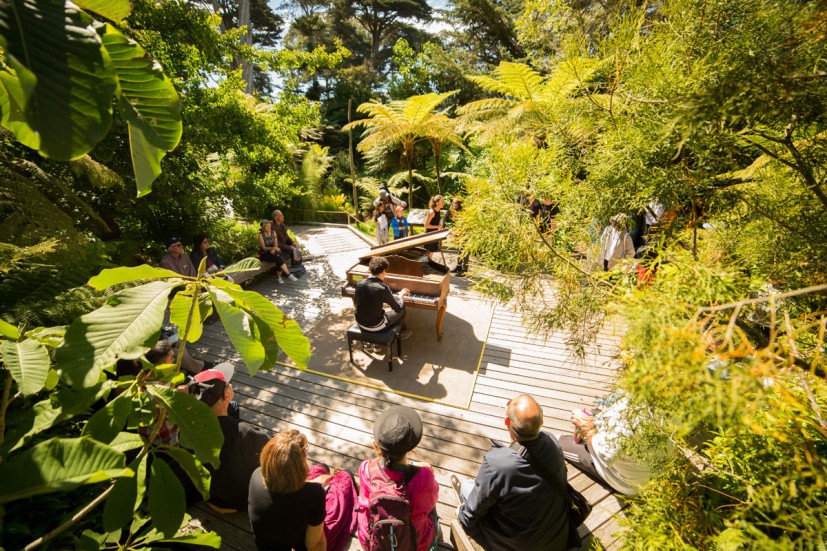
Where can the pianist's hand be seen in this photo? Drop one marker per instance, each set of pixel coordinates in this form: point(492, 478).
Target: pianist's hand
point(404, 292)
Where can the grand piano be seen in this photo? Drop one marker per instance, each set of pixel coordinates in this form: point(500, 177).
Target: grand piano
point(429, 287)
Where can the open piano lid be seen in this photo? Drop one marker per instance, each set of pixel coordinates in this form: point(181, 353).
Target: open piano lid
point(406, 243)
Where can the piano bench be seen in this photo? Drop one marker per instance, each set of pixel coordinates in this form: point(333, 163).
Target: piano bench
point(386, 337)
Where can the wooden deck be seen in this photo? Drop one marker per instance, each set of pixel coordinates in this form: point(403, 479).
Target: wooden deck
point(337, 417)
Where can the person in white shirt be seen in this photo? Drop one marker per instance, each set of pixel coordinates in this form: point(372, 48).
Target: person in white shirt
point(616, 243)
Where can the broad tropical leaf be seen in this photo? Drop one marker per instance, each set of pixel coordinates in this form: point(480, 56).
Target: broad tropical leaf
point(125, 497)
point(199, 475)
point(109, 420)
point(198, 424)
point(243, 265)
point(167, 504)
point(28, 362)
point(59, 465)
point(8, 331)
point(115, 276)
point(65, 77)
point(114, 10)
point(205, 539)
point(126, 441)
point(240, 329)
point(50, 336)
point(126, 327)
point(146, 160)
point(179, 311)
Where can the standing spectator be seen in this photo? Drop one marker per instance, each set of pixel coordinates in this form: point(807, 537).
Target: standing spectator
point(269, 250)
point(396, 433)
point(654, 214)
point(243, 442)
point(285, 243)
point(399, 223)
point(510, 505)
point(293, 506)
point(434, 222)
point(450, 221)
point(175, 259)
point(389, 200)
point(616, 243)
point(381, 219)
point(201, 249)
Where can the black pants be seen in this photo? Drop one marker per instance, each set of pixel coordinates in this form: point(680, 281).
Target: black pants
point(272, 257)
point(579, 456)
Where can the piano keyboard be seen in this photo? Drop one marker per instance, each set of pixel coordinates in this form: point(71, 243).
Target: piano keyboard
point(412, 298)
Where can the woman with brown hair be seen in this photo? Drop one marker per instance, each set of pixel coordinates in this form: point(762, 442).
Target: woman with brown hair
point(296, 507)
point(269, 250)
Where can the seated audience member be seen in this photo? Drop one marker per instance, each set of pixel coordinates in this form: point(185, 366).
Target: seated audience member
point(269, 250)
point(598, 449)
point(164, 353)
point(547, 216)
point(399, 223)
point(288, 248)
point(175, 259)
point(616, 243)
point(292, 506)
point(381, 224)
point(242, 445)
point(372, 294)
point(511, 505)
point(201, 249)
point(396, 433)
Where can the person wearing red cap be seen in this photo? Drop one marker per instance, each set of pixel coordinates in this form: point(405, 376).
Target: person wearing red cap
point(396, 433)
point(243, 441)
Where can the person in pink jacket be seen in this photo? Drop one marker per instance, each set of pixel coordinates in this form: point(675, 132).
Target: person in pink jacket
point(396, 433)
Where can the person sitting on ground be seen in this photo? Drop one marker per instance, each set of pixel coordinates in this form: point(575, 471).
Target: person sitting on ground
point(269, 250)
point(292, 506)
point(372, 294)
point(288, 247)
point(381, 224)
point(399, 223)
point(165, 352)
point(396, 432)
point(616, 243)
point(243, 442)
point(175, 259)
point(597, 449)
point(511, 505)
point(201, 248)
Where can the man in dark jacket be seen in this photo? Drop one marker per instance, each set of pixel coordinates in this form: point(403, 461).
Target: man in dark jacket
point(372, 294)
point(510, 506)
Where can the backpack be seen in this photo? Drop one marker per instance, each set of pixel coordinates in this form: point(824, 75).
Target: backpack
point(389, 514)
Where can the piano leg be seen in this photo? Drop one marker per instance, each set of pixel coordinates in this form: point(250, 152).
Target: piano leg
point(439, 315)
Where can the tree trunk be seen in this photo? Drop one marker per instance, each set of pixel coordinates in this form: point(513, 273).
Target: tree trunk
point(246, 66)
point(409, 154)
point(352, 163)
point(437, 153)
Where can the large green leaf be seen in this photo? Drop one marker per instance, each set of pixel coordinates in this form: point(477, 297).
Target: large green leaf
point(205, 539)
point(15, 89)
point(198, 425)
point(126, 441)
point(8, 331)
point(58, 465)
point(287, 332)
point(67, 99)
point(126, 327)
point(148, 100)
point(115, 276)
point(179, 310)
point(50, 336)
point(28, 361)
point(243, 265)
point(199, 474)
point(108, 421)
point(167, 503)
point(146, 160)
point(114, 10)
point(125, 497)
point(240, 328)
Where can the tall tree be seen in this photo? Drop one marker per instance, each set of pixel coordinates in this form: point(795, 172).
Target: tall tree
point(486, 28)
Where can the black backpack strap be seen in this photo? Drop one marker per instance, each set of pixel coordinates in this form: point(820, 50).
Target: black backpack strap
point(541, 469)
point(410, 472)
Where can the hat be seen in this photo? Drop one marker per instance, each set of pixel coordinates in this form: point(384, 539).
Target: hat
point(208, 386)
point(383, 192)
point(261, 224)
point(398, 430)
point(171, 241)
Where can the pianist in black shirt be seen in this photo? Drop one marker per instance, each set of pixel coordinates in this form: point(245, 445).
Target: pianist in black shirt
point(370, 297)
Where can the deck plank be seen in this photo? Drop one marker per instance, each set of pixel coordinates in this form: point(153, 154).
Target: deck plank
point(337, 417)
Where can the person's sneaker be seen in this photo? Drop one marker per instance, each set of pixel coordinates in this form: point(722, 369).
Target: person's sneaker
point(405, 334)
point(291, 277)
point(281, 281)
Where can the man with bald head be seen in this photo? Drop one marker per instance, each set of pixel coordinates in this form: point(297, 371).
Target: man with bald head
point(290, 250)
point(510, 506)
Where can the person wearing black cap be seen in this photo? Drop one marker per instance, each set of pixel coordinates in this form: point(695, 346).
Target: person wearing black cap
point(243, 442)
point(510, 505)
point(176, 260)
point(395, 434)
